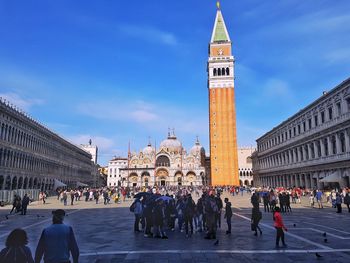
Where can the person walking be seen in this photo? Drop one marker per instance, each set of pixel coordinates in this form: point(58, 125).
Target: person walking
point(64, 197)
point(25, 203)
point(338, 201)
point(228, 215)
point(266, 201)
point(256, 217)
point(16, 250)
point(16, 204)
point(72, 196)
point(347, 201)
point(319, 198)
point(57, 241)
point(278, 224)
point(96, 196)
point(42, 197)
point(105, 197)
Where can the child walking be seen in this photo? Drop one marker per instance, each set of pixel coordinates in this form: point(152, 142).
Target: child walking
point(278, 224)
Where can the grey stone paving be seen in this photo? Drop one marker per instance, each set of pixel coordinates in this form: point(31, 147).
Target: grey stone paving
point(104, 234)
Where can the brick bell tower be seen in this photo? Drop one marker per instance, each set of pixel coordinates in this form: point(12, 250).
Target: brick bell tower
point(222, 112)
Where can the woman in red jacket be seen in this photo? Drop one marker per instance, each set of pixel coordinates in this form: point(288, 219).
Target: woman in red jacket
point(278, 224)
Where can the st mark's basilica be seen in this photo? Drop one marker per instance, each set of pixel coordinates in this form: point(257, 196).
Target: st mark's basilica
point(169, 165)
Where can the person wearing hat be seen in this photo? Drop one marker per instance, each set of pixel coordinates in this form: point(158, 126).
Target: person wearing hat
point(57, 241)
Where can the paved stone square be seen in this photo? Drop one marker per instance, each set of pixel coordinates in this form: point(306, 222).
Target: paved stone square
point(105, 234)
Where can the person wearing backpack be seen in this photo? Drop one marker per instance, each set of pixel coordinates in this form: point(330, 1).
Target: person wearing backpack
point(211, 210)
point(256, 217)
point(136, 208)
point(228, 215)
point(16, 250)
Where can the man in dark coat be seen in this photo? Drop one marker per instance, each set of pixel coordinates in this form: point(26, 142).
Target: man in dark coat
point(211, 210)
point(228, 215)
point(220, 206)
point(25, 203)
point(189, 213)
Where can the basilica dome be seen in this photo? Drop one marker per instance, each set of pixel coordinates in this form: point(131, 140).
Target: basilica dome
point(171, 144)
point(148, 150)
point(197, 149)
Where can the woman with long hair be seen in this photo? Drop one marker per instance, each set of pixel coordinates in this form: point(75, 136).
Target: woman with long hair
point(16, 250)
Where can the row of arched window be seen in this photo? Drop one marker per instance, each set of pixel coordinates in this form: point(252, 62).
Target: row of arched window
point(306, 122)
point(245, 173)
point(36, 143)
point(221, 71)
point(326, 146)
point(26, 182)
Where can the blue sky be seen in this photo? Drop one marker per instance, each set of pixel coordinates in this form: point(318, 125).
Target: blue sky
point(116, 71)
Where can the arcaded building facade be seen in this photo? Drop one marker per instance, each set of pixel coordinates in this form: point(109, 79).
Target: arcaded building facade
point(310, 149)
point(169, 165)
point(32, 156)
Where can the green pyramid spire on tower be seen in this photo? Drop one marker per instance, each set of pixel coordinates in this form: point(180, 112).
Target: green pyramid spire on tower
point(220, 33)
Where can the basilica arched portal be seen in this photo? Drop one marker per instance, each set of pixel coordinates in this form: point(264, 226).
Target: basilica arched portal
point(162, 176)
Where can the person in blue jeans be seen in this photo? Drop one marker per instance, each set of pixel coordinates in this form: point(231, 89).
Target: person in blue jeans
point(319, 198)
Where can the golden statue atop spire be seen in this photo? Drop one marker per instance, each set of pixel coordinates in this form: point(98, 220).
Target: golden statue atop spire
point(218, 4)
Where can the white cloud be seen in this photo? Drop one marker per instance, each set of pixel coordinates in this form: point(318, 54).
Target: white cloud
point(103, 143)
point(143, 116)
point(150, 117)
point(277, 89)
point(339, 55)
point(149, 33)
point(137, 111)
point(20, 102)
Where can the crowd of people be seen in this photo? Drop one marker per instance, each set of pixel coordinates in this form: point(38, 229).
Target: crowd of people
point(160, 210)
point(157, 213)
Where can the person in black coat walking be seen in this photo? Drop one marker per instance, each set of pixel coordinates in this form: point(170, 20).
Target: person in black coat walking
point(189, 213)
point(25, 203)
point(228, 215)
point(256, 217)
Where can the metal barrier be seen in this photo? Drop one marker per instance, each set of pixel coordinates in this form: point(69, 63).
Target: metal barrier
point(7, 196)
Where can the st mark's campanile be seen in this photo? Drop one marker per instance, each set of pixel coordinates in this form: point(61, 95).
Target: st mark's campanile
point(222, 118)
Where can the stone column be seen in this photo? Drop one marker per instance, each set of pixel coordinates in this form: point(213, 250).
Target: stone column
point(315, 149)
point(296, 152)
point(297, 180)
point(323, 152)
point(309, 150)
point(338, 143)
point(330, 148)
point(304, 152)
point(347, 140)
